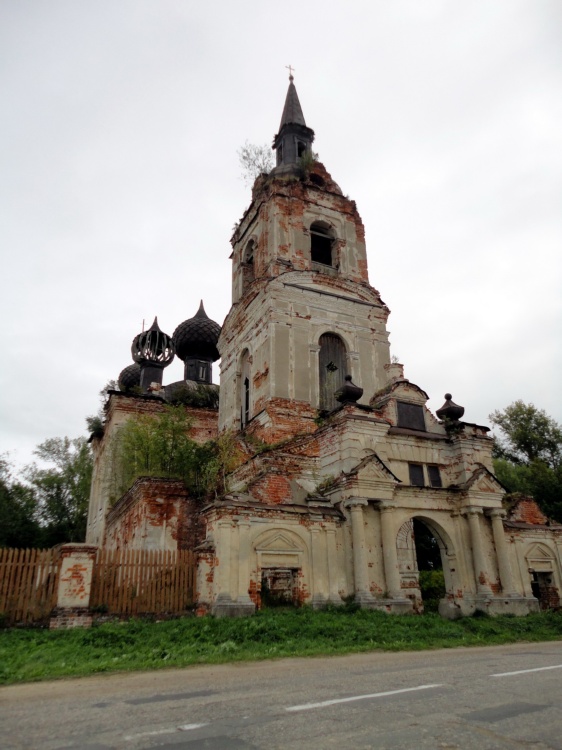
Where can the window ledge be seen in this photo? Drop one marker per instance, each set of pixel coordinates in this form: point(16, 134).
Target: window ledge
point(328, 270)
point(416, 433)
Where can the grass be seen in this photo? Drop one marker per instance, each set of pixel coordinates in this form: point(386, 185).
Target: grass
point(30, 655)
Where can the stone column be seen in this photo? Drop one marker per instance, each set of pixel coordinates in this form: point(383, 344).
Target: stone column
point(74, 587)
point(318, 569)
point(389, 554)
point(478, 559)
point(223, 552)
point(504, 566)
point(360, 574)
point(331, 554)
point(244, 553)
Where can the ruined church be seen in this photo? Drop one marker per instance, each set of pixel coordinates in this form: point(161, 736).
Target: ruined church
point(340, 464)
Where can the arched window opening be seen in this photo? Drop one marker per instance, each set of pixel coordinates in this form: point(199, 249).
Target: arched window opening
point(321, 244)
point(301, 148)
point(248, 272)
point(333, 369)
point(245, 413)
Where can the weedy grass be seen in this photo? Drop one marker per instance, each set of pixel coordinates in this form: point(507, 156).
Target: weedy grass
point(30, 655)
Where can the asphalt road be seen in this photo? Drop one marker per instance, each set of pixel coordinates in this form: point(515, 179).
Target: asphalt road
point(484, 698)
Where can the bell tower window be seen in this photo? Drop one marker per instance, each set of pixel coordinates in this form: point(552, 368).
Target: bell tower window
point(245, 413)
point(248, 272)
point(301, 148)
point(332, 360)
point(321, 244)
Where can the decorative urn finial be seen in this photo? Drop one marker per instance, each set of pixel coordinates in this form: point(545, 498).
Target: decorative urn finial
point(349, 393)
point(450, 411)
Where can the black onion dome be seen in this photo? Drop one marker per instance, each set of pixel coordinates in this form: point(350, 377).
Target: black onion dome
point(129, 377)
point(197, 337)
point(153, 347)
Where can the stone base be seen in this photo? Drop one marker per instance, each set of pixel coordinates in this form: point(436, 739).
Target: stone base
point(391, 606)
point(64, 618)
point(450, 610)
point(318, 602)
point(227, 607)
point(508, 605)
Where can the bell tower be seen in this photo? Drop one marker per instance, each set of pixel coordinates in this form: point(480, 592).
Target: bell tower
point(294, 139)
point(303, 313)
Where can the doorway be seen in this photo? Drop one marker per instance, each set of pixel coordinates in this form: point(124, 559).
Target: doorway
point(280, 587)
point(544, 590)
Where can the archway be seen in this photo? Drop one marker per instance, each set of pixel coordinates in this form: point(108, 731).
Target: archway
point(429, 559)
point(427, 563)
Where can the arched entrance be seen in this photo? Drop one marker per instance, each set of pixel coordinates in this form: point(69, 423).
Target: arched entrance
point(430, 566)
point(427, 564)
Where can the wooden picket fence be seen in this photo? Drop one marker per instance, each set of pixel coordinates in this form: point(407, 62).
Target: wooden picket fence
point(28, 584)
point(134, 582)
point(124, 583)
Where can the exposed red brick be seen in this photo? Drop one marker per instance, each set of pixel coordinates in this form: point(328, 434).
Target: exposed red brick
point(526, 510)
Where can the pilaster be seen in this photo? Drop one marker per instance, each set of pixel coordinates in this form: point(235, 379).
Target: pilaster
point(332, 565)
point(506, 576)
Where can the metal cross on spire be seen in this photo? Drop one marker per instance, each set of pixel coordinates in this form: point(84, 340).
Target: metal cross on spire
point(290, 69)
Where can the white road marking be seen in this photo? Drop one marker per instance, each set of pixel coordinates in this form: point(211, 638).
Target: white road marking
point(525, 671)
point(188, 727)
point(170, 730)
point(322, 704)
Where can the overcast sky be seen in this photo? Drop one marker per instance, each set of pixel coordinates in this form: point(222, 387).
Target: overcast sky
point(120, 123)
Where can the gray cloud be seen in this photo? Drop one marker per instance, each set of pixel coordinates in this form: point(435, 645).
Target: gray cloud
point(120, 182)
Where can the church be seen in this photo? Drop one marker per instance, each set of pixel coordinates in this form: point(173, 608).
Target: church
point(341, 468)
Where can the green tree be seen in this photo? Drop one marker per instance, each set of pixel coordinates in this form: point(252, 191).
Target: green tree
point(157, 446)
point(254, 161)
point(528, 434)
point(528, 455)
point(19, 526)
point(62, 490)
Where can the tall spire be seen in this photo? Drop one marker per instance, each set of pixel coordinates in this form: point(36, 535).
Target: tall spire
point(292, 111)
point(294, 137)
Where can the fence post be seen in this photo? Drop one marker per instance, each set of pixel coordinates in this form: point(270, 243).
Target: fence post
point(75, 584)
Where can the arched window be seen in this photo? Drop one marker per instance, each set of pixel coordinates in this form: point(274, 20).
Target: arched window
point(333, 369)
point(301, 148)
point(245, 389)
point(248, 273)
point(321, 244)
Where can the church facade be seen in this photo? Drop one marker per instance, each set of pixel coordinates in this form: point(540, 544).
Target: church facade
point(341, 467)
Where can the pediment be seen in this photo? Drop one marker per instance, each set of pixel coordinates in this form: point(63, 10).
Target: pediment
point(279, 541)
point(373, 469)
point(483, 480)
point(539, 552)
